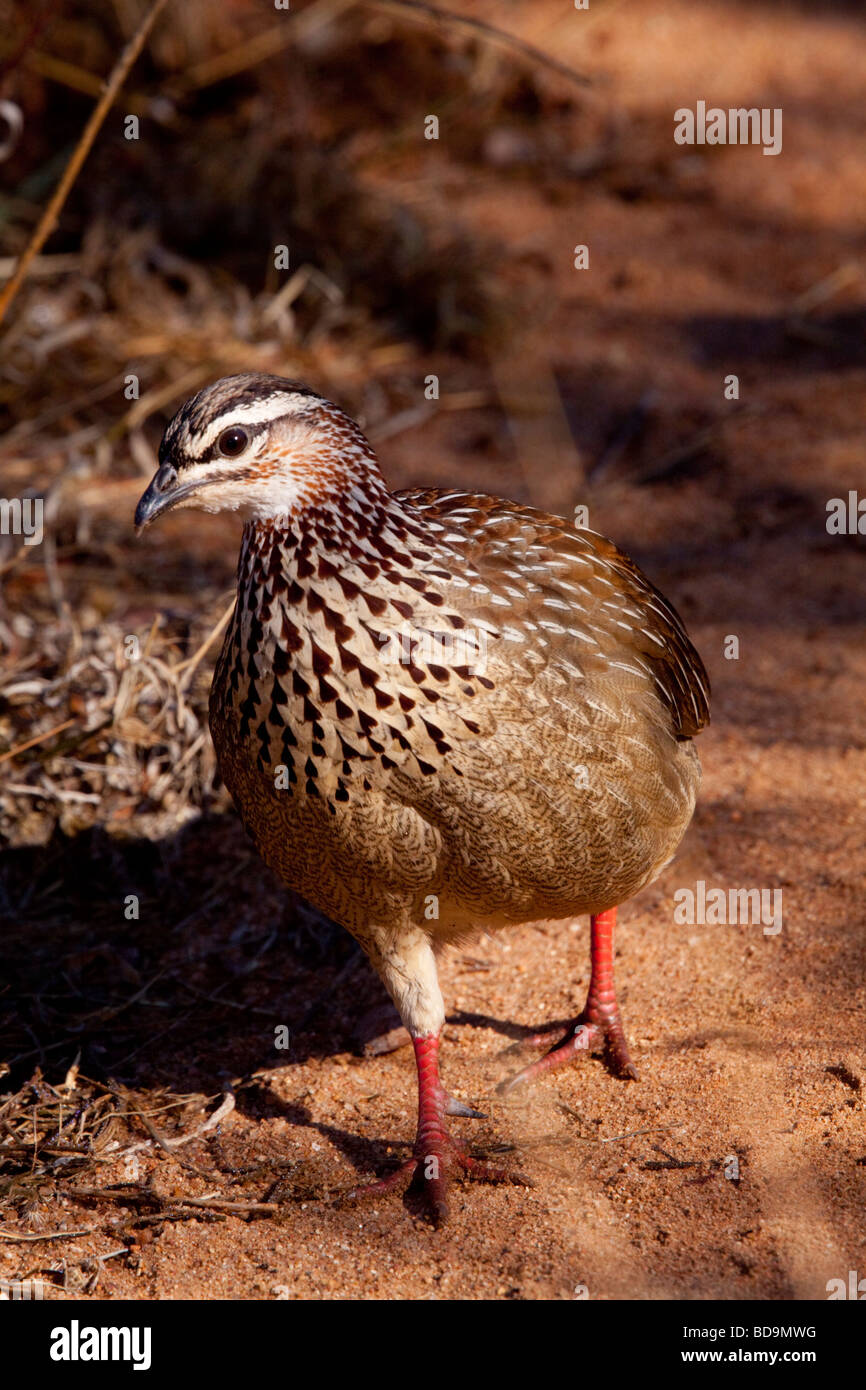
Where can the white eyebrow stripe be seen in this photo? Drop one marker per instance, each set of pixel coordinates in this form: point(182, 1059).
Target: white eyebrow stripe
point(254, 413)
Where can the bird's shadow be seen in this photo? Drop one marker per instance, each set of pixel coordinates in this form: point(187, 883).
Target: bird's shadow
point(183, 964)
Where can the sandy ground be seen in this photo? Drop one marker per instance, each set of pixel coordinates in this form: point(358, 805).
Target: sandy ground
point(736, 1167)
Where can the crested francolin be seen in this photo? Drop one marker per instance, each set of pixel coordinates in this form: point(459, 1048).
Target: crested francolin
point(436, 712)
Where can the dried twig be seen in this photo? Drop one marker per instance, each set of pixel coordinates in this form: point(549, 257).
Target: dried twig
point(169, 1146)
point(49, 1235)
point(48, 220)
point(246, 54)
point(32, 742)
point(210, 1201)
point(221, 1204)
point(491, 33)
point(192, 662)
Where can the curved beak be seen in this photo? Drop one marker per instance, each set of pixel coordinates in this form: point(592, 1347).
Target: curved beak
point(165, 492)
point(162, 494)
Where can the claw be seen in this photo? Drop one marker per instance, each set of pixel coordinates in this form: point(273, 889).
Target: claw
point(437, 1156)
point(457, 1107)
point(435, 1169)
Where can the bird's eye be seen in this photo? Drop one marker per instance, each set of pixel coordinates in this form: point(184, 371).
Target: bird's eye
point(232, 442)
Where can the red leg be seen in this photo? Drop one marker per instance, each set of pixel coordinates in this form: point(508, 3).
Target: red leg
point(600, 1021)
point(436, 1155)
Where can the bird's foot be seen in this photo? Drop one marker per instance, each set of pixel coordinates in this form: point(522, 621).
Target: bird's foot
point(437, 1157)
point(436, 1160)
point(586, 1035)
point(600, 1024)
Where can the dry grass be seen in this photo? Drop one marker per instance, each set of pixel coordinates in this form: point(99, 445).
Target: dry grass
point(57, 1143)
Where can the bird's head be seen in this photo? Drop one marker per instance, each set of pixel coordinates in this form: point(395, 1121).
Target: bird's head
point(261, 446)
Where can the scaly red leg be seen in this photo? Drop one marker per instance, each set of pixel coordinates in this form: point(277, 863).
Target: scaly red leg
point(600, 1021)
point(436, 1154)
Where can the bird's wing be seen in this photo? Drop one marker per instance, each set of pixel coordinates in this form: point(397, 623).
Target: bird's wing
point(583, 600)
